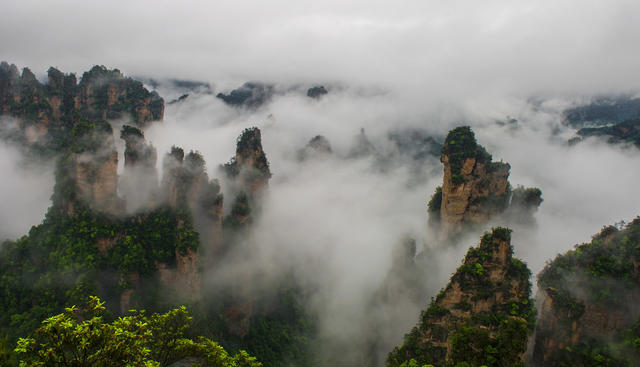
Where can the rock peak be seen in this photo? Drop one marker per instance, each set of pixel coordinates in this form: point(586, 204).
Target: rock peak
point(249, 167)
point(482, 317)
point(474, 188)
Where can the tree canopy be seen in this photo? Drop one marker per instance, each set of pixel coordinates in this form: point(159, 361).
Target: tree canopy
point(80, 337)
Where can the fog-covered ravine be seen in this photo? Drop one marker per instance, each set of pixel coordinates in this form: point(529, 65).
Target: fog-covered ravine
point(335, 215)
point(336, 218)
point(335, 183)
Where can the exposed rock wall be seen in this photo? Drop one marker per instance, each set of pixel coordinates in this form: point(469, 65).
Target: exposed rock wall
point(59, 104)
point(249, 168)
point(474, 188)
point(466, 200)
point(184, 279)
point(107, 93)
point(187, 185)
point(96, 180)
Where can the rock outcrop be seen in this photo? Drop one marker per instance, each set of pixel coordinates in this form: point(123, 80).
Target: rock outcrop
point(317, 91)
point(96, 179)
point(107, 93)
point(482, 317)
point(474, 188)
point(249, 95)
point(317, 147)
point(187, 186)
point(47, 113)
point(184, 279)
point(87, 174)
point(588, 302)
point(249, 168)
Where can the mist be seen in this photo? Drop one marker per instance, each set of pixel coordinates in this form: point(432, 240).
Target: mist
point(25, 192)
point(439, 50)
point(335, 220)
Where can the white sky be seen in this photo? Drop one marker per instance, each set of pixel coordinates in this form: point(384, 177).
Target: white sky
point(436, 47)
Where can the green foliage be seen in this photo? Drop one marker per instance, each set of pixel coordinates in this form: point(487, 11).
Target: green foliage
point(518, 270)
point(436, 201)
point(130, 131)
point(597, 274)
point(522, 197)
point(594, 268)
point(240, 214)
point(131, 96)
point(461, 144)
point(61, 261)
point(501, 234)
point(433, 312)
point(282, 334)
point(249, 147)
point(89, 136)
point(7, 356)
point(231, 168)
point(589, 354)
point(414, 363)
point(457, 179)
point(81, 337)
point(177, 153)
point(194, 164)
point(492, 203)
point(498, 166)
point(496, 337)
point(211, 196)
point(250, 144)
point(475, 346)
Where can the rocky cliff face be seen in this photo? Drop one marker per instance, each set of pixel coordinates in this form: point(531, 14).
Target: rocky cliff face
point(587, 302)
point(69, 118)
point(86, 174)
point(474, 188)
point(47, 113)
point(249, 168)
point(184, 279)
point(249, 95)
point(482, 317)
point(97, 181)
point(187, 186)
point(107, 94)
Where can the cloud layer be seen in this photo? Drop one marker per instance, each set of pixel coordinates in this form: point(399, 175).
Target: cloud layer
point(437, 49)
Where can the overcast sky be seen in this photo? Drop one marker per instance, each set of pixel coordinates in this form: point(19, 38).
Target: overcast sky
point(440, 48)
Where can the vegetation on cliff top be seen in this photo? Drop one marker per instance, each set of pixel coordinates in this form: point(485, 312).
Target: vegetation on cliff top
point(249, 147)
point(600, 274)
point(465, 334)
point(609, 255)
point(461, 144)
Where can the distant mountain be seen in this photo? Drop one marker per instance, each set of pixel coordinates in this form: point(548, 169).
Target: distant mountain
point(627, 131)
point(604, 111)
